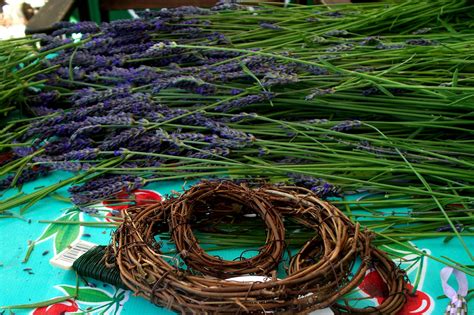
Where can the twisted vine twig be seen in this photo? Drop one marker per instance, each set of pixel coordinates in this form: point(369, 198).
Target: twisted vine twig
point(318, 275)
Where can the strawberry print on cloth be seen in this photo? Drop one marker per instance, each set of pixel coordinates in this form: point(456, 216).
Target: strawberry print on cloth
point(138, 197)
point(418, 302)
point(89, 301)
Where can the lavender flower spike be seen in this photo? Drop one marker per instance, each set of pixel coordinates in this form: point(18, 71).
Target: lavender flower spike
point(347, 125)
point(319, 186)
point(244, 101)
point(121, 183)
point(271, 26)
point(319, 92)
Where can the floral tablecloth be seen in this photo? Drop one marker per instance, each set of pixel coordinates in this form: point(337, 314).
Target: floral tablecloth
point(37, 280)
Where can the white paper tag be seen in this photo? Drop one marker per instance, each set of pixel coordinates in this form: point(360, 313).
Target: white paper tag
point(250, 279)
point(67, 257)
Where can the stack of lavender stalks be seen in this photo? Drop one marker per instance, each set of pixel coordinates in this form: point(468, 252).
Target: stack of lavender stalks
point(351, 99)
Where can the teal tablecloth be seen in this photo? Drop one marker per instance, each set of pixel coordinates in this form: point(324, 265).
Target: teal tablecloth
point(37, 280)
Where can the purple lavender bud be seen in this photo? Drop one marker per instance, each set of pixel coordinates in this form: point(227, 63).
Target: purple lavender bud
point(121, 27)
point(88, 210)
point(94, 184)
point(140, 75)
point(23, 151)
point(61, 129)
point(224, 131)
point(58, 146)
point(422, 31)
point(319, 92)
point(389, 47)
point(129, 49)
point(447, 228)
point(42, 110)
point(26, 175)
point(84, 154)
point(160, 50)
point(340, 47)
point(77, 73)
point(193, 136)
point(86, 130)
point(366, 146)
point(193, 84)
point(190, 32)
point(63, 145)
point(315, 121)
point(334, 14)
point(121, 118)
point(223, 5)
point(108, 187)
point(420, 42)
point(263, 151)
point(118, 140)
point(371, 40)
point(235, 143)
point(365, 69)
point(235, 91)
point(170, 138)
point(271, 26)
point(85, 27)
point(347, 125)
point(190, 10)
point(69, 166)
point(335, 33)
point(222, 54)
point(83, 61)
point(43, 98)
point(193, 10)
point(325, 190)
point(89, 96)
point(242, 116)
point(279, 78)
point(102, 45)
point(211, 153)
point(319, 186)
point(244, 102)
point(370, 91)
point(291, 160)
point(316, 70)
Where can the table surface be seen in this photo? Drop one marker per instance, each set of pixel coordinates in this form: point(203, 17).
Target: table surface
point(37, 280)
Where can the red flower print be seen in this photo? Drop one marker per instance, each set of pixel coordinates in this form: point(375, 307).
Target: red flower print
point(62, 308)
point(123, 200)
point(373, 285)
point(417, 303)
point(6, 157)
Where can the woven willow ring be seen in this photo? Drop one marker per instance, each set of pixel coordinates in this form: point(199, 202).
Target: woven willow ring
point(317, 277)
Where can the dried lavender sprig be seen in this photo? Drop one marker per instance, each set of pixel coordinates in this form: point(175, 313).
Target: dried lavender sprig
point(84, 27)
point(26, 175)
point(90, 96)
point(271, 26)
point(319, 186)
point(244, 102)
point(127, 183)
point(336, 33)
point(279, 78)
point(319, 92)
point(347, 125)
point(95, 195)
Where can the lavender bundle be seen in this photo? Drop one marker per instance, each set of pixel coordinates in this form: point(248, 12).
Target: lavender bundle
point(308, 95)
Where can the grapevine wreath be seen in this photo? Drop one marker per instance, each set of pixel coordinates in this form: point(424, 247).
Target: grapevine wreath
point(318, 276)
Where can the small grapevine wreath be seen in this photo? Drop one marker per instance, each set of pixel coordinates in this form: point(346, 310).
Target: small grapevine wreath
point(318, 275)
